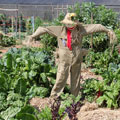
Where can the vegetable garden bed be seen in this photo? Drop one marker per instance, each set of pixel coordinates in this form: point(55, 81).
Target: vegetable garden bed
point(27, 75)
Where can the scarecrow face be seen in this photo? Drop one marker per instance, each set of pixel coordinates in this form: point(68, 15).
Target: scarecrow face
point(70, 25)
point(69, 20)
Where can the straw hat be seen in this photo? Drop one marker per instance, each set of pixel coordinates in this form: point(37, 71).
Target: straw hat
point(68, 18)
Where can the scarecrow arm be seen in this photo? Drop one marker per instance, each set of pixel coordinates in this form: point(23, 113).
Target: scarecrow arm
point(93, 28)
point(52, 30)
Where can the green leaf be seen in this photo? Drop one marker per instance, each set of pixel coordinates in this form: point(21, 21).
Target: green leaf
point(44, 77)
point(2, 96)
point(18, 60)
point(109, 103)
point(1, 118)
point(18, 103)
point(47, 68)
point(37, 91)
point(13, 119)
point(25, 75)
point(100, 100)
point(110, 95)
point(27, 109)
point(21, 86)
point(4, 81)
point(115, 92)
point(32, 74)
point(115, 104)
point(27, 64)
point(9, 61)
point(45, 114)
point(26, 116)
point(9, 112)
point(53, 70)
point(13, 96)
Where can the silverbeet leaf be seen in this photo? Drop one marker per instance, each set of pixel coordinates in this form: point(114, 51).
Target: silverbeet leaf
point(26, 116)
point(21, 86)
point(10, 112)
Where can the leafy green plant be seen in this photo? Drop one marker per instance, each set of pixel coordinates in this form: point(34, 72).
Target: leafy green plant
point(45, 114)
point(9, 112)
point(24, 73)
point(106, 92)
point(89, 89)
point(8, 41)
point(110, 97)
point(27, 112)
point(37, 91)
point(100, 61)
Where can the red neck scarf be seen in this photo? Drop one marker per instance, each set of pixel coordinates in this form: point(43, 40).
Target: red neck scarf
point(69, 38)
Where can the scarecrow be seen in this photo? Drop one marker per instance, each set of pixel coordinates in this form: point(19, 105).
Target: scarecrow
point(69, 38)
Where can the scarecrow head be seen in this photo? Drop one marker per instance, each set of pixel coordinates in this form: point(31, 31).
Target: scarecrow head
point(69, 20)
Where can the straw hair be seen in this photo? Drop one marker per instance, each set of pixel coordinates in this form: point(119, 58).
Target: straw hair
point(67, 19)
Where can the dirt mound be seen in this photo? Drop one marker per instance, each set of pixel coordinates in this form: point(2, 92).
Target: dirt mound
point(92, 112)
point(40, 103)
point(99, 114)
point(89, 111)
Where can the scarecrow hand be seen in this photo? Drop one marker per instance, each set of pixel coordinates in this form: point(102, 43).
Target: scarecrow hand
point(30, 38)
point(28, 41)
point(112, 36)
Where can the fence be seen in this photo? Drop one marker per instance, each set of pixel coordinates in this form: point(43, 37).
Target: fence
point(46, 12)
